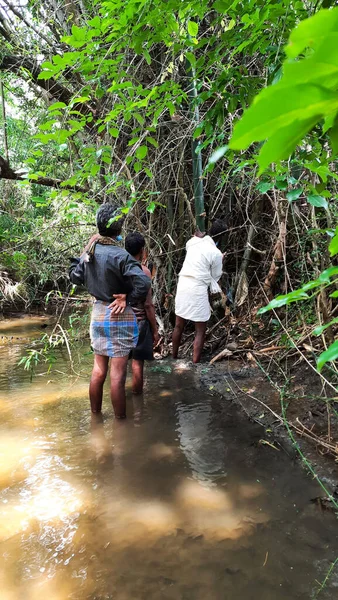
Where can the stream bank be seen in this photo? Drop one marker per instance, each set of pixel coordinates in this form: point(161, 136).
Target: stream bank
point(248, 387)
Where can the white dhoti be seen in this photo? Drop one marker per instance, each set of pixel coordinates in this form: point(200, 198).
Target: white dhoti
point(192, 300)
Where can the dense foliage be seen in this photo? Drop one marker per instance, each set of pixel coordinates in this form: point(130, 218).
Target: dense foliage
point(108, 99)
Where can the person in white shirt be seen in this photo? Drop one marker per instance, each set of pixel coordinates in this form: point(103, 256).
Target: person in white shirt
point(202, 268)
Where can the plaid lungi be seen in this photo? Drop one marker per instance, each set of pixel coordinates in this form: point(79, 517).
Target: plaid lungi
point(112, 335)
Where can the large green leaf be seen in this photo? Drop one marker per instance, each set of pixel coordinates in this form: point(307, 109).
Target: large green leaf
point(284, 300)
point(333, 247)
point(277, 107)
point(283, 142)
point(329, 355)
point(320, 68)
point(311, 32)
point(333, 134)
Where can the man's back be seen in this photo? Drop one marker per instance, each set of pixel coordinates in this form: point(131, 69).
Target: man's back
point(203, 260)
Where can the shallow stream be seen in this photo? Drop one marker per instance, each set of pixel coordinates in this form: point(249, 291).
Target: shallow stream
point(179, 502)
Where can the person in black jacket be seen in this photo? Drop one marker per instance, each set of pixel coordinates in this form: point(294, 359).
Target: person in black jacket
point(116, 281)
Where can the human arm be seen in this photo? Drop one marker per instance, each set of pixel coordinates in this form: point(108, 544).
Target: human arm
point(216, 266)
point(150, 311)
point(93, 239)
point(76, 271)
point(139, 281)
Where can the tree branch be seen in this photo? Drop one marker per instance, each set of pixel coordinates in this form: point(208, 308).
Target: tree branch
point(19, 64)
point(6, 172)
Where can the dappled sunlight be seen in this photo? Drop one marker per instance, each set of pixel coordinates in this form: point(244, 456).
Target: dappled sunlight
point(212, 513)
point(48, 587)
point(47, 394)
point(192, 494)
point(52, 502)
point(215, 513)
point(165, 394)
point(16, 456)
point(27, 321)
point(160, 450)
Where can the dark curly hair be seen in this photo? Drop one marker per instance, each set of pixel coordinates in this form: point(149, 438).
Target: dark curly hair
point(105, 213)
point(217, 229)
point(134, 243)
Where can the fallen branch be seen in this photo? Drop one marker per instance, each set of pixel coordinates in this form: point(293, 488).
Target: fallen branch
point(221, 355)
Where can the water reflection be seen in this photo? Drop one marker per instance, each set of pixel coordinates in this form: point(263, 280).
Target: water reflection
point(176, 502)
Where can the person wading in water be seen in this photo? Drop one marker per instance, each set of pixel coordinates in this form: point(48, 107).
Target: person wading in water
point(109, 272)
point(145, 314)
point(202, 268)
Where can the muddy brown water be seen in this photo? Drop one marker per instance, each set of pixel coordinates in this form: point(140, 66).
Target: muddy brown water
point(178, 502)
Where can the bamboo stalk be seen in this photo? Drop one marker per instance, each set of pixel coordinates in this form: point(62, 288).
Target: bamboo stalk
point(196, 156)
point(2, 95)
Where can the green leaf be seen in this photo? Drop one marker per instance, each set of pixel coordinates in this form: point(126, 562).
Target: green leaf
point(152, 141)
point(139, 118)
point(57, 106)
point(310, 32)
point(137, 167)
point(80, 100)
point(284, 300)
point(141, 152)
point(329, 355)
point(294, 194)
point(192, 28)
point(264, 186)
point(334, 294)
point(333, 247)
point(281, 145)
point(191, 58)
point(317, 201)
point(326, 275)
point(281, 183)
point(114, 132)
point(148, 172)
point(219, 153)
point(319, 330)
point(46, 75)
point(79, 33)
point(333, 135)
point(278, 107)
point(151, 207)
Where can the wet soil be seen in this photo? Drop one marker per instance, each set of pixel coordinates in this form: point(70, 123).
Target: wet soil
point(305, 404)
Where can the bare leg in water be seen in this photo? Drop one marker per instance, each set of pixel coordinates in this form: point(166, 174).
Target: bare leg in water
point(200, 329)
point(118, 374)
point(97, 380)
point(177, 335)
point(137, 381)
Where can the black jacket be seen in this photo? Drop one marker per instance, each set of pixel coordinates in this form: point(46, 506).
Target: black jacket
point(111, 271)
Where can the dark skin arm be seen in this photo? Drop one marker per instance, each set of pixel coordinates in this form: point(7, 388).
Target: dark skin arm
point(150, 311)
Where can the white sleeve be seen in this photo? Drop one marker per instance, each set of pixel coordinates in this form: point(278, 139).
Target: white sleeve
point(217, 266)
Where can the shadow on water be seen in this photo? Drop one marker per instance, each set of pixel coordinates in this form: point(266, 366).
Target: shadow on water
point(178, 502)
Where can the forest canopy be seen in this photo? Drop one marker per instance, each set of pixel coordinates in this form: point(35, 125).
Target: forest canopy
point(142, 102)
